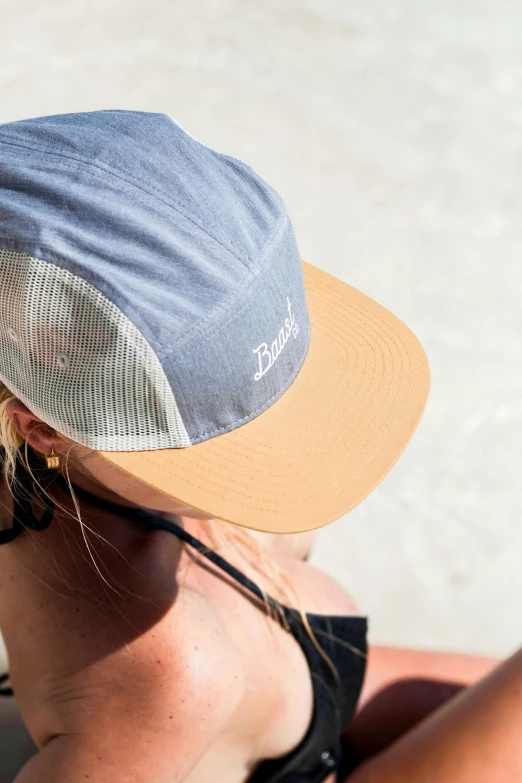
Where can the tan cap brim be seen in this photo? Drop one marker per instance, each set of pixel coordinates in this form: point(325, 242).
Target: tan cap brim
point(324, 445)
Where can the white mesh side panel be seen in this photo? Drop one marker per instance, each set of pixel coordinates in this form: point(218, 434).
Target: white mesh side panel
point(79, 363)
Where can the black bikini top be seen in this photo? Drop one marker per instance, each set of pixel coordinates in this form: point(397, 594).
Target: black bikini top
point(343, 638)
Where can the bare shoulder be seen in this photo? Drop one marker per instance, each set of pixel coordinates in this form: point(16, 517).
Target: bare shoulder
point(175, 693)
point(109, 631)
point(133, 633)
point(181, 669)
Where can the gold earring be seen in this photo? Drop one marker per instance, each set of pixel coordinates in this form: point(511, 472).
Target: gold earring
point(53, 460)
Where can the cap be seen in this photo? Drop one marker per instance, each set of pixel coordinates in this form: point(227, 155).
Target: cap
point(154, 307)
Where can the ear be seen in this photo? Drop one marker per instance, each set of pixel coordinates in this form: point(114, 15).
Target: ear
point(36, 432)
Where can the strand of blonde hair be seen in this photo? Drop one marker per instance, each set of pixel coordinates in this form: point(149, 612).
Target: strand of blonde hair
point(233, 537)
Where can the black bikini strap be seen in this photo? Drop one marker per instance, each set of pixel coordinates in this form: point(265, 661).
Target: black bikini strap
point(23, 516)
point(151, 520)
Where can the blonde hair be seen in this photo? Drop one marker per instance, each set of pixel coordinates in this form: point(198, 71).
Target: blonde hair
point(221, 536)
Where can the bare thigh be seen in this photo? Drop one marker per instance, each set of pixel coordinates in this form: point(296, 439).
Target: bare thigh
point(474, 736)
point(403, 686)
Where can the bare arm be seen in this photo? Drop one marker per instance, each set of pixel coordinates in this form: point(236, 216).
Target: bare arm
point(475, 736)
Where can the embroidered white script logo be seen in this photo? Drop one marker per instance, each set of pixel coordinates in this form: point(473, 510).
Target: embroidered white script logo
point(266, 357)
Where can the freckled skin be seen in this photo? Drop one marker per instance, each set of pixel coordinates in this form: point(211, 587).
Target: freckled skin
point(104, 621)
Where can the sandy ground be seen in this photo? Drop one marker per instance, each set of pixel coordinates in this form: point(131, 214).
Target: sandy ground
point(393, 131)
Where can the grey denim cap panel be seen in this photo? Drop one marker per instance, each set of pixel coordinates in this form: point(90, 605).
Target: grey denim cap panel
point(192, 245)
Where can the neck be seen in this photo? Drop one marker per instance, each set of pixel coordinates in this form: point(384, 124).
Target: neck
point(82, 479)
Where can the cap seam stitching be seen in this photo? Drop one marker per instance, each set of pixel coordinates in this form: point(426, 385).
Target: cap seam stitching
point(162, 354)
point(25, 247)
point(182, 347)
point(174, 207)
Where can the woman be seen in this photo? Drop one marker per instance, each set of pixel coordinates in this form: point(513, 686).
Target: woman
point(183, 403)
